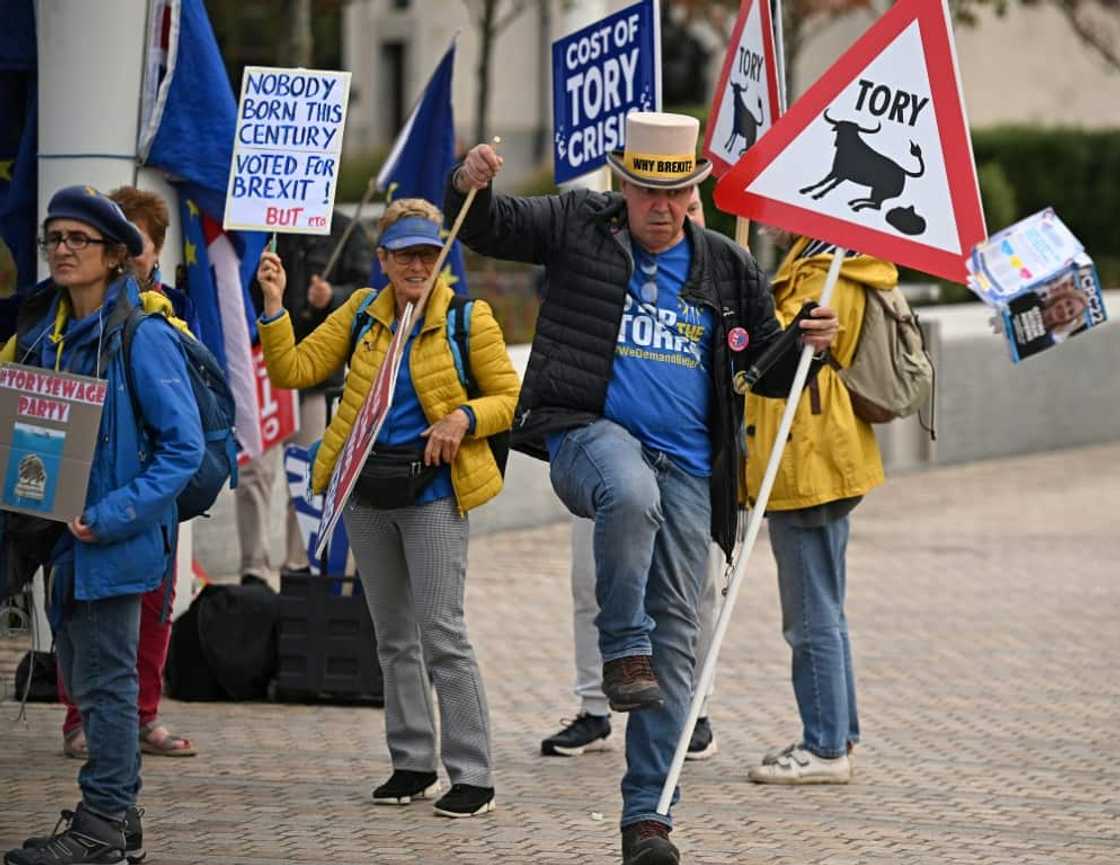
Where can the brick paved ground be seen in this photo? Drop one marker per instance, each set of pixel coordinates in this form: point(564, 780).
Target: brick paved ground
point(984, 603)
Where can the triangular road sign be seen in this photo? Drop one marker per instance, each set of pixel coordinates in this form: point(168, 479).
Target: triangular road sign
point(876, 155)
point(745, 104)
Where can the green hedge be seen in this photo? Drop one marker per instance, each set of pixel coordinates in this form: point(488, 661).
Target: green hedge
point(1075, 171)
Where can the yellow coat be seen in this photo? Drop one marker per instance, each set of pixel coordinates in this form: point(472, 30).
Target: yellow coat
point(831, 454)
point(474, 474)
point(151, 301)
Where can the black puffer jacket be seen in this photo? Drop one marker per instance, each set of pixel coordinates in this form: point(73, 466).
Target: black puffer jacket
point(581, 239)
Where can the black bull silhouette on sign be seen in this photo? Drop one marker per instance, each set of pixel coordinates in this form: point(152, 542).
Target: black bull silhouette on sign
point(857, 162)
point(743, 121)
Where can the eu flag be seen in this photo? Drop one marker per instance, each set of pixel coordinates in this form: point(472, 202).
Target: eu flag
point(18, 158)
point(189, 114)
point(421, 158)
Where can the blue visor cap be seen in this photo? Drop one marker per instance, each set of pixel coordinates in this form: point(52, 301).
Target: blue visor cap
point(411, 231)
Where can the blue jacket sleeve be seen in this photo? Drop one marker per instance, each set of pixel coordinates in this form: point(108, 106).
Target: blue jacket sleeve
point(174, 433)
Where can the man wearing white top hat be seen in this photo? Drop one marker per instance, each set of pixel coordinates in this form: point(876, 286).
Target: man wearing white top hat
point(629, 395)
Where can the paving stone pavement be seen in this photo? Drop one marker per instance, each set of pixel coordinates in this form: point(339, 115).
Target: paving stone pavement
point(984, 604)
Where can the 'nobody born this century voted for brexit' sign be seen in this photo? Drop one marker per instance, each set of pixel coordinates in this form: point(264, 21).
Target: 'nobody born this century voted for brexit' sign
point(599, 75)
point(286, 150)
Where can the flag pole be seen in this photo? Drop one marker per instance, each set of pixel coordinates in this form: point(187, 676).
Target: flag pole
point(336, 253)
point(743, 232)
point(446, 250)
point(708, 670)
point(413, 310)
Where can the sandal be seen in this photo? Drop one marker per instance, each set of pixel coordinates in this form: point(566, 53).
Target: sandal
point(74, 744)
point(155, 739)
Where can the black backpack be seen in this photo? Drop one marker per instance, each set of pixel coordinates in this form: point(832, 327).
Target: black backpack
point(42, 667)
point(224, 646)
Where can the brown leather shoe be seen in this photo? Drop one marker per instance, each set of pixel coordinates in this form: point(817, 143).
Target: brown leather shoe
point(630, 684)
point(647, 843)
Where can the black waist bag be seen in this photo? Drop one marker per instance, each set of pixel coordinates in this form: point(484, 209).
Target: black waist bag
point(393, 477)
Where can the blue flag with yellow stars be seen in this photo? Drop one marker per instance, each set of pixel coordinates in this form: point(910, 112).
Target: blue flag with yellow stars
point(18, 158)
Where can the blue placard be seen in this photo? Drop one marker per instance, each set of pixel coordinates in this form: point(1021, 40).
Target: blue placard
point(34, 466)
point(599, 75)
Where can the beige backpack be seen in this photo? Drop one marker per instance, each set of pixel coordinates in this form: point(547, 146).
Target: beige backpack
point(891, 375)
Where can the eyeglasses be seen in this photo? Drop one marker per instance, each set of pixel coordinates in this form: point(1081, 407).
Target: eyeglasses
point(425, 254)
point(75, 241)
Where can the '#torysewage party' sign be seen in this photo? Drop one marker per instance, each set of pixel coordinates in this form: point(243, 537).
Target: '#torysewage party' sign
point(48, 431)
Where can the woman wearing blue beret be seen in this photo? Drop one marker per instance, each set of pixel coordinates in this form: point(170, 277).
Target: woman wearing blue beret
point(123, 543)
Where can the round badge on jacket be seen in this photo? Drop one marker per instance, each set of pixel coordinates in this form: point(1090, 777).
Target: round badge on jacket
point(738, 339)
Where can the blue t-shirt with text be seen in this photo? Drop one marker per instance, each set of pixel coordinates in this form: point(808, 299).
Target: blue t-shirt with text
point(406, 420)
point(660, 388)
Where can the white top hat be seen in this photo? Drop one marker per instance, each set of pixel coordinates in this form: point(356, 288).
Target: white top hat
point(660, 151)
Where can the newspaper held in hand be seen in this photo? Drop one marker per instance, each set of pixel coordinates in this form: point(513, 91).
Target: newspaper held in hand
point(1042, 285)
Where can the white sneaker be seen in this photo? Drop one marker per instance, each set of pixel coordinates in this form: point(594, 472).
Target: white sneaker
point(798, 766)
point(772, 756)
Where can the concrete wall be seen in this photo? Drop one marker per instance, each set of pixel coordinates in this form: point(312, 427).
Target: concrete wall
point(986, 407)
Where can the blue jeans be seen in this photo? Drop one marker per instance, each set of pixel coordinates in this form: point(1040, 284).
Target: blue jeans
point(812, 582)
point(97, 658)
point(652, 528)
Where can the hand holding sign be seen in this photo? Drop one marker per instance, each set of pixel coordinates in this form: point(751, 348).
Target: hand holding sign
point(820, 329)
point(480, 166)
point(444, 438)
point(273, 280)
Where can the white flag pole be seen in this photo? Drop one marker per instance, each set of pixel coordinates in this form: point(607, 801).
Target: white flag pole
point(780, 52)
point(708, 671)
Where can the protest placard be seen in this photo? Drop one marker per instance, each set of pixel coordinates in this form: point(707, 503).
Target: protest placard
point(363, 434)
point(1043, 286)
point(286, 150)
point(599, 75)
point(48, 432)
point(745, 102)
point(279, 408)
point(309, 512)
point(876, 156)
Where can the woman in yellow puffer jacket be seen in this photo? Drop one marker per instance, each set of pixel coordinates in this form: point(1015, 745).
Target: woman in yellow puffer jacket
point(830, 461)
point(406, 518)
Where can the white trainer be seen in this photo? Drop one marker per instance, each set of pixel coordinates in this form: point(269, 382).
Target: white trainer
point(798, 766)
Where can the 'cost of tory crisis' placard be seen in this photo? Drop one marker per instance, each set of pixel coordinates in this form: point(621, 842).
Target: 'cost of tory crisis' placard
point(286, 150)
point(599, 75)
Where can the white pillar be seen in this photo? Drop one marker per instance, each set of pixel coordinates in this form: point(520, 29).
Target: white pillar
point(90, 71)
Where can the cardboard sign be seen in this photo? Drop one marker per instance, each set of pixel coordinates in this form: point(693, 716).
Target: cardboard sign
point(279, 408)
point(745, 103)
point(286, 150)
point(876, 155)
point(599, 75)
point(364, 432)
point(49, 423)
point(1035, 274)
